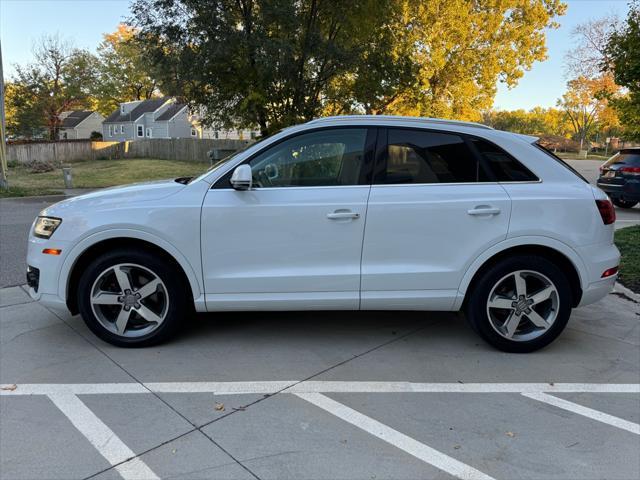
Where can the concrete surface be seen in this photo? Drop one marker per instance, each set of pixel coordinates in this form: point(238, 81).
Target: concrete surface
point(318, 395)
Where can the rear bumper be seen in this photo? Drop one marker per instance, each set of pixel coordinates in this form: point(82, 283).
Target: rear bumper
point(597, 259)
point(597, 290)
point(630, 190)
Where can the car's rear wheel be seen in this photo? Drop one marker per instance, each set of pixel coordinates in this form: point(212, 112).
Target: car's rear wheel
point(520, 304)
point(622, 203)
point(131, 298)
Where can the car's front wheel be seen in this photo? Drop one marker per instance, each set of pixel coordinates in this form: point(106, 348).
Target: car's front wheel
point(132, 298)
point(520, 304)
point(622, 203)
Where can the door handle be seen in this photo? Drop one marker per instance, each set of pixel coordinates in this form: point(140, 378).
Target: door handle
point(484, 211)
point(341, 215)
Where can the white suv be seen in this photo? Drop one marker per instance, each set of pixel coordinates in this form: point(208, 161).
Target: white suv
point(342, 213)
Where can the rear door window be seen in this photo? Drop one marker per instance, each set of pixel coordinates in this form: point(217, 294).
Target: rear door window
point(419, 157)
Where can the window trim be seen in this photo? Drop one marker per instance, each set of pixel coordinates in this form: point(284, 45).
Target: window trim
point(148, 132)
point(382, 151)
point(110, 134)
point(366, 175)
point(140, 131)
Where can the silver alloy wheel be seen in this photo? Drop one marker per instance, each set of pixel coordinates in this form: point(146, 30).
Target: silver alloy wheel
point(523, 305)
point(129, 300)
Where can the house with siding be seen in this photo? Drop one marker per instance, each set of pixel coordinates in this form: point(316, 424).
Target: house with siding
point(163, 118)
point(154, 118)
point(79, 124)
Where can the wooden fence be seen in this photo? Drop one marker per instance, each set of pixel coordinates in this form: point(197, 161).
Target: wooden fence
point(187, 149)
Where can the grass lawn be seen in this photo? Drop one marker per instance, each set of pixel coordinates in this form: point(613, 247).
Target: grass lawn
point(592, 156)
point(98, 173)
point(628, 242)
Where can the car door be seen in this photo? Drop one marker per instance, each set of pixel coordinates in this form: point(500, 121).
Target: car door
point(293, 241)
point(432, 209)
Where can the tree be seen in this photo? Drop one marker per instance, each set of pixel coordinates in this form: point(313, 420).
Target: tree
point(459, 50)
point(623, 51)
point(537, 121)
point(260, 62)
point(278, 62)
point(586, 102)
point(124, 70)
point(590, 53)
point(61, 78)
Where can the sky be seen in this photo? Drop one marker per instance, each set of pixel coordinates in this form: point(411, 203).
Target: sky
point(22, 22)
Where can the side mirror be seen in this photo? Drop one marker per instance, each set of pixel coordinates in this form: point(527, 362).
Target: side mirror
point(241, 178)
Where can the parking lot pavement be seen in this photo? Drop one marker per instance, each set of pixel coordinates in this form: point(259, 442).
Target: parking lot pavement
point(318, 395)
point(625, 217)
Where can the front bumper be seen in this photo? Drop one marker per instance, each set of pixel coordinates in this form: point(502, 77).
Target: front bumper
point(45, 289)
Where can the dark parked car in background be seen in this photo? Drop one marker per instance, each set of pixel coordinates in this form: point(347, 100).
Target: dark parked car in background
point(620, 177)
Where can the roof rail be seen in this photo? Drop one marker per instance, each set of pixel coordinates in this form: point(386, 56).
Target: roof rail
point(439, 121)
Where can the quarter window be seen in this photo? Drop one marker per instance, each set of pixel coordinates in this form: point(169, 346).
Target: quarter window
point(321, 158)
point(415, 156)
point(504, 167)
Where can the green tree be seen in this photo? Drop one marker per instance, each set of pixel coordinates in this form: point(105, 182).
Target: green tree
point(623, 53)
point(262, 62)
point(125, 74)
point(61, 78)
point(278, 62)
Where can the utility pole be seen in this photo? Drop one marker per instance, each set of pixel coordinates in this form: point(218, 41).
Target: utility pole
point(4, 183)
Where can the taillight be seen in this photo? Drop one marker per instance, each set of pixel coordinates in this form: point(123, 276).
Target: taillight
point(607, 212)
point(630, 170)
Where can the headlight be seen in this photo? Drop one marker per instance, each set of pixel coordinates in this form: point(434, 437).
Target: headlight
point(45, 226)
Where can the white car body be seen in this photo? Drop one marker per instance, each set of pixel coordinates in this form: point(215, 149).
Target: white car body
point(402, 247)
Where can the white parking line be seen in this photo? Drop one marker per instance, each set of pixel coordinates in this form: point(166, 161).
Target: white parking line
point(102, 438)
point(395, 438)
point(292, 386)
point(586, 412)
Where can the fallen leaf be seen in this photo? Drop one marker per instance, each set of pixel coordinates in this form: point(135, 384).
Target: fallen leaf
point(510, 434)
point(456, 447)
point(11, 388)
point(219, 406)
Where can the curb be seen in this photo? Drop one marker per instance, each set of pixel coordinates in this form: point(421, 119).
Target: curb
point(625, 292)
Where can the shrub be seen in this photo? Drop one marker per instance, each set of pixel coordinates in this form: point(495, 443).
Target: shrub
point(40, 166)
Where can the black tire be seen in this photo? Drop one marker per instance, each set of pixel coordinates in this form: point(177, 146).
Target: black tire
point(619, 202)
point(476, 306)
point(180, 304)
